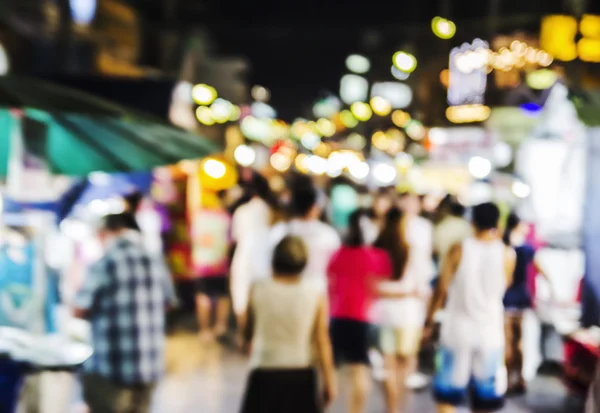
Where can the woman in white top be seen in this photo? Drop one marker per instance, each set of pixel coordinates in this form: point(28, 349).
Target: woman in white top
point(288, 318)
point(251, 223)
point(400, 298)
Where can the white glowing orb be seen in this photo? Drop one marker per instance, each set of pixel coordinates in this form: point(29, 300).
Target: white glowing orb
point(204, 94)
point(384, 174)
point(438, 136)
point(358, 64)
point(359, 170)
point(244, 155)
point(353, 88)
point(215, 169)
point(480, 167)
point(521, 189)
point(83, 11)
point(406, 62)
point(316, 164)
point(333, 170)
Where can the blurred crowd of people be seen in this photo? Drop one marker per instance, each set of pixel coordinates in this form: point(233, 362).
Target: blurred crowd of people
point(308, 298)
point(306, 295)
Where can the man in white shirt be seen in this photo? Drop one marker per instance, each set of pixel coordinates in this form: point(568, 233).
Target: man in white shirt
point(321, 240)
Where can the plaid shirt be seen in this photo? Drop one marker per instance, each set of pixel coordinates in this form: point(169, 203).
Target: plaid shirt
point(125, 293)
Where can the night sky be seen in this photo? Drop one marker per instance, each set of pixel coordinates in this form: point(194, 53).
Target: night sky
point(297, 48)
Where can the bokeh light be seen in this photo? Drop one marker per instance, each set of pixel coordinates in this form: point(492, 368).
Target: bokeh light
point(260, 94)
point(244, 155)
point(204, 94)
point(356, 141)
point(205, 116)
point(358, 64)
point(399, 74)
point(326, 127)
point(443, 28)
point(405, 62)
point(280, 162)
point(361, 111)
point(348, 119)
point(480, 167)
point(384, 174)
point(400, 118)
point(381, 106)
point(214, 168)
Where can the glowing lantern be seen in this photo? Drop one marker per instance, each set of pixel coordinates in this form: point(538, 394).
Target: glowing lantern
point(217, 174)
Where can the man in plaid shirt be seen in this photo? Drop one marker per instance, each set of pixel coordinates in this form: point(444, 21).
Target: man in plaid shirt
point(124, 297)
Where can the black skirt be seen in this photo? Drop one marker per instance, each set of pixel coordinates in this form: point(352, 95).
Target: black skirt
point(282, 391)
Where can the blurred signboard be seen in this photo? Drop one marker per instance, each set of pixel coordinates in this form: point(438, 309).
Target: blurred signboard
point(457, 145)
point(467, 87)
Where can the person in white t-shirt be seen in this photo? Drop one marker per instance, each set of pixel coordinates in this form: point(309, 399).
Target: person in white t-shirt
point(418, 274)
point(251, 223)
point(321, 239)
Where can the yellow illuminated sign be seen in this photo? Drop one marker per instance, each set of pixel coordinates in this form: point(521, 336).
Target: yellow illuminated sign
point(558, 37)
point(468, 113)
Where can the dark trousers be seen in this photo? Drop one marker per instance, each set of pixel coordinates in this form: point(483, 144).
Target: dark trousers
point(103, 396)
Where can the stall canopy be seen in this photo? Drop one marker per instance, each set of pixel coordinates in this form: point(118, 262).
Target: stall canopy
point(75, 133)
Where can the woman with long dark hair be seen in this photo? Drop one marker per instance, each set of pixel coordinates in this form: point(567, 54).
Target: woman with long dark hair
point(400, 297)
point(353, 272)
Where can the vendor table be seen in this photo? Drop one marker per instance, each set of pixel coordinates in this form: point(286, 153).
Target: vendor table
point(22, 354)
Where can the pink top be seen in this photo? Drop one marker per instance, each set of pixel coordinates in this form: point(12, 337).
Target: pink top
point(352, 274)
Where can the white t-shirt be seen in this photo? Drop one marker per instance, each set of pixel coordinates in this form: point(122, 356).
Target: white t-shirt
point(419, 271)
point(250, 229)
point(321, 240)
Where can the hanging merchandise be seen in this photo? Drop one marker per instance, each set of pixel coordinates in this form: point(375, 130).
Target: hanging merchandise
point(17, 295)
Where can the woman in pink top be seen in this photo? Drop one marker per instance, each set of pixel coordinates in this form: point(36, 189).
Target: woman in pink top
point(353, 273)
